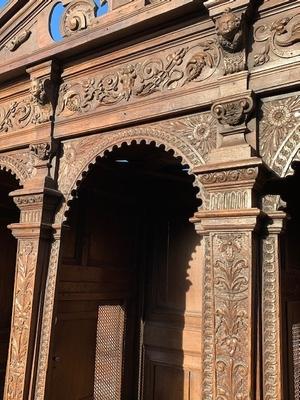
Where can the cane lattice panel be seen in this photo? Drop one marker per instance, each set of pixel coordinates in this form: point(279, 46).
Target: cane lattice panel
point(109, 352)
point(296, 359)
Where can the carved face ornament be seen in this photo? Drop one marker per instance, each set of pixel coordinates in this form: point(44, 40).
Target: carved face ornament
point(228, 25)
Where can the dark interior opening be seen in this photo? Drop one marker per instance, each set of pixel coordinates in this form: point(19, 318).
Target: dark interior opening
point(124, 278)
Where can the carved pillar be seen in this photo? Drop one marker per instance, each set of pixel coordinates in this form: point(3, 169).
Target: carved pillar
point(229, 221)
point(271, 303)
point(37, 202)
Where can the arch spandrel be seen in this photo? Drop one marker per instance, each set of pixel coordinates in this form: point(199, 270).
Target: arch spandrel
point(18, 164)
point(189, 138)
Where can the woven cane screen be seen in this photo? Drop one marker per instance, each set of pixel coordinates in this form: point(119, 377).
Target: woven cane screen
point(109, 352)
point(296, 359)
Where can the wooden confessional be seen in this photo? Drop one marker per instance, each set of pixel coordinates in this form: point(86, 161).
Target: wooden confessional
point(124, 279)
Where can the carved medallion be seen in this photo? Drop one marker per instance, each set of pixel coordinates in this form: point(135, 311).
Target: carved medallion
point(78, 15)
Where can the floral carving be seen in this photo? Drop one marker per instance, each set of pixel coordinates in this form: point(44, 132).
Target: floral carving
point(34, 109)
point(232, 175)
point(138, 80)
point(20, 164)
point(18, 40)
point(233, 112)
point(231, 291)
point(21, 318)
point(279, 120)
point(78, 15)
point(280, 38)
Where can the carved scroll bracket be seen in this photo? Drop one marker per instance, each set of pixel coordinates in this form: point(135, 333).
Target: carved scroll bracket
point(232, 113)
point(78, 15)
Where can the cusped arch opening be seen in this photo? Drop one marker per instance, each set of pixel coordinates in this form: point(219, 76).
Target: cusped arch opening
point(129, 268)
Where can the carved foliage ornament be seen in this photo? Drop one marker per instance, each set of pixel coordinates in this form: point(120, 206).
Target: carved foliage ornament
point(233, 112)
point(78, 16)
point(33, 109)
point(25, 269)
point(227, 292)
point(282, 38)
point(141, 79)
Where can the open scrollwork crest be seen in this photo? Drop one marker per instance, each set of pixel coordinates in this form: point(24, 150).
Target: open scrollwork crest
point(280, 38)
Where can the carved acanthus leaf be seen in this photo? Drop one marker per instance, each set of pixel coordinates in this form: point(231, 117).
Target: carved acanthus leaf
point(281, 38)
point(141, 79)
point(233, 112)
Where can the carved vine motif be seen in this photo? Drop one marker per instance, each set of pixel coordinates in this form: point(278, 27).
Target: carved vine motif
point(280, 120)
point(271, 318)
point(281, 37)
point(18, 40)
point(47, 322)
point(25, 270)
point(233, 112)
point(34, 109)
point(140, 79)
point(78, 16)
point(231, 292)
point(230, 36)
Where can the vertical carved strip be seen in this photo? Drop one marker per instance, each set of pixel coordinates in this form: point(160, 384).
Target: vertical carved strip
point(231, 260)
point(208, 327)
point(47, 322)
point(21, 318)
point(271, 319)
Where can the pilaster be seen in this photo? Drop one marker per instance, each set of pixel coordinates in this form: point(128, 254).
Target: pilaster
point(37, 201)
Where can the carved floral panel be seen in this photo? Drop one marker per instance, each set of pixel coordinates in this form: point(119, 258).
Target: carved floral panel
point(227, 301)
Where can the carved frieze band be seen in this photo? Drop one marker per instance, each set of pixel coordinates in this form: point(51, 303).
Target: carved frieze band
point(30, 110)
point(140, 79)
point(21, 319)
point(279, 38)
point(227, 302)
point(279, 134)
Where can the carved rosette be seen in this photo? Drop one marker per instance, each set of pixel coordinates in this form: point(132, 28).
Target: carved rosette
point(277, 39)
point(78, 15)
point(21, 319)
point(233, 112)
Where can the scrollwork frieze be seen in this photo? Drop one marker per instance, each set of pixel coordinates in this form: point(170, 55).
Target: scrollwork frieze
point(232, 175)
point(280, 38)
point(141, 79)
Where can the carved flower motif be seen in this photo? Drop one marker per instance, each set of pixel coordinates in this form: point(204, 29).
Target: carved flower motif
point(200, 131)
point(279, 119)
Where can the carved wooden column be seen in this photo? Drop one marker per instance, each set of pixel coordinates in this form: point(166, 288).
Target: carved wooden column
point(228, 221)
point(37, 201)
point(272, 372)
